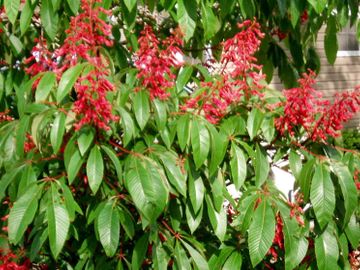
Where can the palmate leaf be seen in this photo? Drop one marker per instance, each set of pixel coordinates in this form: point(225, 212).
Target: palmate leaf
point(261, 232)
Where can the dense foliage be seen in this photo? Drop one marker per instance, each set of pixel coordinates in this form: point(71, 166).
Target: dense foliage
point(121, 133)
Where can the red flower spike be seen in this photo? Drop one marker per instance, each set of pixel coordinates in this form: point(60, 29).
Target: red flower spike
point(154, 64)
point(238, 66)
point(304, 107)
point(86, 34)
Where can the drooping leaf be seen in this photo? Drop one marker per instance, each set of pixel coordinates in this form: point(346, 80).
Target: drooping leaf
point(160, 113)
point(217, 219)
point(262, 167)
point(128, 125)
point(95, 169)
point(67, 81)
point(45, 85)
point(108, 226)
point(183, 77)
point(238, 166)
point(57, 131)
point(326, 250)
point(141, 108)
point(193, 218)
point(58, 224)
point(219, 143)
point(74, 5)
point(305, 177)
point(210, 21)
point(186, 14)
point(12, 9)
point(139, 252)
point(26, 15)
point(234, 261)
point(254, 122)
point(22, 213)
point(183, 130)
point(196, 190)
point(130, 4)
point(322, 195)
point(198, 259)
point(114, 159)
point(318, 5)
point(200, 142)
point(330, 41)
point(85, 140)
point(261, 232)
point(49, 18)
point(348, 189)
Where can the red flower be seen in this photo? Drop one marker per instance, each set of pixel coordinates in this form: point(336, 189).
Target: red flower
point(304, 107)
point(154, 64)
point(238, 66)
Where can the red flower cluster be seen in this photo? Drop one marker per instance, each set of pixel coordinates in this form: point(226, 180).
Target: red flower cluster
point(278, 241)
point(29, 143)
point(86, 34)
point(7, 262)
point(5, 117)
point(238, 66)
point(154, 64)
point(304, 107)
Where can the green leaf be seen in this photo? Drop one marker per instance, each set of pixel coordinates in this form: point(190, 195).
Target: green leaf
point(108, 226)
point(12, 9)
point(16, 44)
point(193, 218)
point(268, 128)
point(22, 213)
point(58, 224)
point(49, 18)
point(139, 252)
point(130, 4)
point(254, 122)
point(176, 175)
point(282, 7)
point(74, 166)
point(45, 85)
point(295, 163)
point(318, 5)
point(186, 14)
point(326, 250)
point(322, 195)
point(262, 166)
point(330, 41)
point(160, 113)
point(128, 125)
point(305, 178)
point(218, 220)
point(160, 258)
point(238, 166)
point(115, 160)
point(21, 134)
point(127, 222)
point(352, 231)
point(210, 21)
point(198, 259)
point(348, 189)
point(85, 139)
point(295, 11)
point(74, 5)
point(219, 143)
point(246, 208)
point(183, 77)
point(218, 259)
point(234, 261)
point(57, 131)
point(183, 130)
point(295, 245)
point(196, 190)
point(95, 169)
point(25, 16)
point(247, 8)
point(261, 232)
point(200, 142)
point(67, 81)
point(145, 183)
point(141, 108)
point(181, 259)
